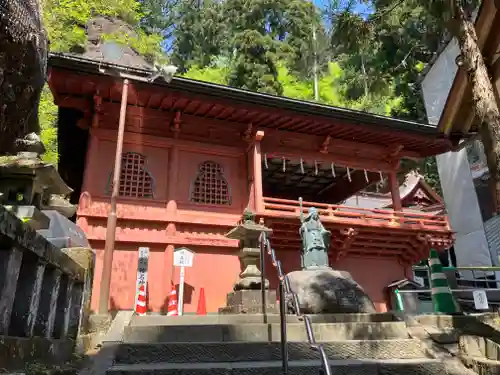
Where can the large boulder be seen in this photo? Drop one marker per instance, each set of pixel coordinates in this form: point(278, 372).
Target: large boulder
point(329, 291)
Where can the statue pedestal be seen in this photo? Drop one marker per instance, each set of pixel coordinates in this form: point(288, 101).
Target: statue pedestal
point(250, 302)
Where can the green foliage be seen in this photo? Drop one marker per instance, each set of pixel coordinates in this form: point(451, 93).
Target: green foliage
point(208, 74)
point(65, 21)
point(48, 125)
point(198, 33)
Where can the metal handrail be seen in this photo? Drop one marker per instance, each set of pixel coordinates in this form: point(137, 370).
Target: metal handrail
point(284, 287)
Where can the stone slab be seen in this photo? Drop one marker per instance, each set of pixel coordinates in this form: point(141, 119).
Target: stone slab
point(339, 367)
point(37, 219)
point(236, 352)
point(117, 327)
point(15, 352)
point(265, 332)
point(482, 366)
point(28, 239)
point(162, 320)
point(250, 310)
point(450, 321)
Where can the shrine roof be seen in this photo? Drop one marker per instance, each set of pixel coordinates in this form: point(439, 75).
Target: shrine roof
point(263, 110)
point(410, 190)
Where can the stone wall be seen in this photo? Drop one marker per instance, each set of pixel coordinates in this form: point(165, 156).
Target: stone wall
point(44, 295)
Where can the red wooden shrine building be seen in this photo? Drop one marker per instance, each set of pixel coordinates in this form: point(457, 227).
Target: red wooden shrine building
point(195, 155)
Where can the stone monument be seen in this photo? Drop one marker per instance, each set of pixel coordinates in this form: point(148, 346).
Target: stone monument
point(321, 289)
point(246, 298)
point(29, 185)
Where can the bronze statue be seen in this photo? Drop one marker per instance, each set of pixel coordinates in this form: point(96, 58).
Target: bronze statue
point(315, 240)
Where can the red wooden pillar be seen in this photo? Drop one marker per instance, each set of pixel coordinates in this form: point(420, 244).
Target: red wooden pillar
point(257, 173)
point(394, 185)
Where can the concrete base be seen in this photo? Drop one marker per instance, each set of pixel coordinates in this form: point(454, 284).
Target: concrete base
point(303, 367)
point(99, 323)
point(16, 352)
point(250, 302)
point(265, 332)
point(235, 319)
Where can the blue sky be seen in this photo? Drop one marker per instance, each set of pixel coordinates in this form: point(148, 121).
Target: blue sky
point(361, 8)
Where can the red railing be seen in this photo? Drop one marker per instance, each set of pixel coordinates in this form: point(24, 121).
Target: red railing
point(358, 216)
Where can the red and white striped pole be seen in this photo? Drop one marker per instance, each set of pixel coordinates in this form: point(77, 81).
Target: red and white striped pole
point(140, 307)
point(172, 303)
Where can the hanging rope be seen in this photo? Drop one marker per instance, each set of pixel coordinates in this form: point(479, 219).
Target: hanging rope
point(284, 165)
point(333, 170)
point(315, 168)
point(302, 166)
point(366, 176)
point(265, 161)
point(349, 175)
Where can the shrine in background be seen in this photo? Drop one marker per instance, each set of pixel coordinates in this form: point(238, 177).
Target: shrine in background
point(196, 155)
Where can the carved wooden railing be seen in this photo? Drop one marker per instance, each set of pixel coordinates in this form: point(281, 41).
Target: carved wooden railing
point(359, 216)
point(44, 294)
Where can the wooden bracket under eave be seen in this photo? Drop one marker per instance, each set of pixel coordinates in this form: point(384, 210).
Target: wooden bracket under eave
point(325, 145)
point(97, 111)
point(247, 134)
point(176, 127)
point(395, 150)
point(259, 135)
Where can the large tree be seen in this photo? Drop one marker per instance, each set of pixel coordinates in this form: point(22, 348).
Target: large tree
point(402, 36)
point(260, 33)
point(197, 33)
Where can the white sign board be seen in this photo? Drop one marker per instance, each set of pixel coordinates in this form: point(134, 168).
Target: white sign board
point(183, 257)
point(419, 280)
point(142, 271)
point(480, 300)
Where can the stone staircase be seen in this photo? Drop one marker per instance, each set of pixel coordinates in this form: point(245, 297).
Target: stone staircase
point(368, 344)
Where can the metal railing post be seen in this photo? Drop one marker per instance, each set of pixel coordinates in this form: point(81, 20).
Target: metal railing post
point(263, 276)
point(284, 290)
point(284, 346)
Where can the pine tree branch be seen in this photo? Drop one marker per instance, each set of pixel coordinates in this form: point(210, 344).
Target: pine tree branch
point(386, 11)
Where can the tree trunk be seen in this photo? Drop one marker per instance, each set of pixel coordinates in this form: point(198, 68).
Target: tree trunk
point(483, 95)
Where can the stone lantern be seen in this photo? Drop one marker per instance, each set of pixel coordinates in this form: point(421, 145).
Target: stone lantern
point(247, 296)
point(28, 186)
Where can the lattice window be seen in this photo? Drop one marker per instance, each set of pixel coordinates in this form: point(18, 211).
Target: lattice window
point(135, 179)
point(210, 186)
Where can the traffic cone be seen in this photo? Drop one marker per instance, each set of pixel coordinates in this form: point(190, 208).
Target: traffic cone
point(140, 307)
point(202, 306)
point(442, 298)
point(172, 302)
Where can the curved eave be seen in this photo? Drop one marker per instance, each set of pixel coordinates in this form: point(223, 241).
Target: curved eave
point(420, 138)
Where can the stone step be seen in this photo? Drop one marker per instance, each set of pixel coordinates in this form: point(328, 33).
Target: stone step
point(304, 367)
point(323, 332)
point(483, 366)
point(162, 320)
point(266, 351)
